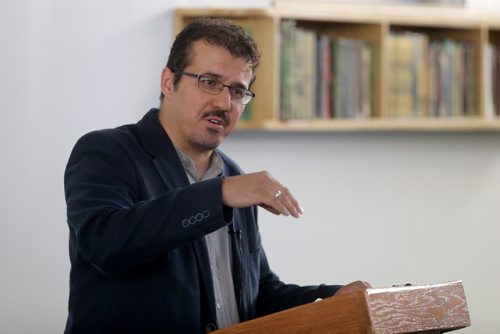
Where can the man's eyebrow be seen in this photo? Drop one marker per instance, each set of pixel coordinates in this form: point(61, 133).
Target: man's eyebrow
point(218, 76)
point(215, 75)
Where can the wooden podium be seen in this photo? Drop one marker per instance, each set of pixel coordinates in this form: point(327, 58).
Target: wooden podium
point(432, 308)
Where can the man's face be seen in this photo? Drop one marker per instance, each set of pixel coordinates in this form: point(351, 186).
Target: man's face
point(195, 120)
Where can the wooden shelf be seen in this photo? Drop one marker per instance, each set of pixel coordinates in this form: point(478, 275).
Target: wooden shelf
point(373, 23)
point(378, 125)
point(394, 14)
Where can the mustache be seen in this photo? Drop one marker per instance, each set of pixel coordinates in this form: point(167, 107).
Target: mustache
point(218, 113)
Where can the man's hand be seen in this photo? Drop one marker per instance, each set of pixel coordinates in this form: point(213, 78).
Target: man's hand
point(259, 189)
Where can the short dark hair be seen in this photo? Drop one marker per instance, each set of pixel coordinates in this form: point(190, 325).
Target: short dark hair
point(215, 31)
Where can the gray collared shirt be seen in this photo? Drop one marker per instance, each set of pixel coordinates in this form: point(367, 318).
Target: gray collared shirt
point(219, 250)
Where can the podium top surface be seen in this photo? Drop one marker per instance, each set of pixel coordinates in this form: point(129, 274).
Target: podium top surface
point(433, 308)
point(406, 309)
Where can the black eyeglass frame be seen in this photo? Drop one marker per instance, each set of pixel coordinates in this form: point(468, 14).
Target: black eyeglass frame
point(248, 95)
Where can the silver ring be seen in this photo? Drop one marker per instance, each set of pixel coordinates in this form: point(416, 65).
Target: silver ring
point(278, 194)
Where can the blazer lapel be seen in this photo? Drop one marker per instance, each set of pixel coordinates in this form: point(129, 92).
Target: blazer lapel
point(166, 161)
point(163, 153)
point(165, 169)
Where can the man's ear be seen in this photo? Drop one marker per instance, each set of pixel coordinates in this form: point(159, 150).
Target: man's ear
point(167, 81)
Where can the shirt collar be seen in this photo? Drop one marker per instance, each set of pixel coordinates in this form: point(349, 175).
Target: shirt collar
point(214, 170)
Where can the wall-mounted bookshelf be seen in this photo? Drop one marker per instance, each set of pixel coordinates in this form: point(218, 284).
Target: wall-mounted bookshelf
point(361, 67)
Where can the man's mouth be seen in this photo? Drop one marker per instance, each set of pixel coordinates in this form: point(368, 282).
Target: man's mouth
point(217, 117)
point(215, 121)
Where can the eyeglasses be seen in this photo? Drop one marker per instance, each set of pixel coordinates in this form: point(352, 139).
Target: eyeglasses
point(211, 85)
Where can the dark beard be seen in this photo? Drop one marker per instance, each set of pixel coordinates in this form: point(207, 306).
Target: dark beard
point(204, 146)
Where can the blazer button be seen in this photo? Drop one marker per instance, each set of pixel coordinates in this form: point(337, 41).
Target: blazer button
point(210, 327)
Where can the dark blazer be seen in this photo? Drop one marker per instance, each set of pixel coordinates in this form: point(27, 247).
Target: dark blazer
point(139, 262)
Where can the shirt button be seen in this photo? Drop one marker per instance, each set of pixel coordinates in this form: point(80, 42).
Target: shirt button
point(210, 327)
point(218, 306)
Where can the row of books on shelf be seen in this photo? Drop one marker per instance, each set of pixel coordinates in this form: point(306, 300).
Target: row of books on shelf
point(323, 77)
point(430, 78)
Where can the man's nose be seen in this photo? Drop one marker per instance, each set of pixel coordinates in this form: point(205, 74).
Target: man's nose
point(222, 100)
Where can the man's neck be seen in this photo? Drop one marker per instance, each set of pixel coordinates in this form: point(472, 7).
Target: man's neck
point(201, 162)
point(196, 172)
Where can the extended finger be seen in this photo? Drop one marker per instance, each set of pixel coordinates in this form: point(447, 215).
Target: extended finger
point(290, 203)
point(272, 202)
point(275, 206)
point(269, 208)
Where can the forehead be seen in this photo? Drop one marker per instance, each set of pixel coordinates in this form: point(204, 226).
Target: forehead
point(217, 60)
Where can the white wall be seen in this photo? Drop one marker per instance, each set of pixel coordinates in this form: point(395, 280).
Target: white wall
point(387, 208)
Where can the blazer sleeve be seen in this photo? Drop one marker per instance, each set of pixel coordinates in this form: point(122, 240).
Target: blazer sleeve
point(113, 226)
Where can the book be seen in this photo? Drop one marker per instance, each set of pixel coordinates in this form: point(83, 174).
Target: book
point(324, 77)
point(469, 81)
point(496, 79)
point(408, 74)
point(488, 90)
point(286, 55)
